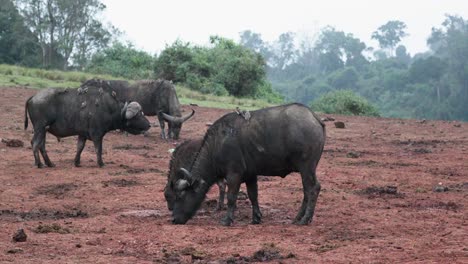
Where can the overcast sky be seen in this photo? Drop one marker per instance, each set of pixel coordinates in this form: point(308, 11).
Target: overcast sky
point(151, 24)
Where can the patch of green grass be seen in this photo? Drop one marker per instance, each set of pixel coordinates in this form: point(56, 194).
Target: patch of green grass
point(187, 96)
point(15, 76)
point(40, 78)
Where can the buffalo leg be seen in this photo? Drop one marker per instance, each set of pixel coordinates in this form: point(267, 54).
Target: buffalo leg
point(222, 192)
point(162, 125)
point(252, 191)
point(98, 148)
point(45, 156)
point(233, 183)
point(302, 210)
point(36, 143)
point(79, 148)
point(311, 191)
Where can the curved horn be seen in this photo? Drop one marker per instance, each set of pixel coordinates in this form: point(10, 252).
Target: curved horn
point(175, 119)
point(187, 117)
point(187, 174)
point(124, 109)
point(170, 118)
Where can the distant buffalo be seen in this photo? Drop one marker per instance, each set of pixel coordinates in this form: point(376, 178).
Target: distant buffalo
point(156, 97)
point(182, 157)
point(272, 141)
point(89, 112)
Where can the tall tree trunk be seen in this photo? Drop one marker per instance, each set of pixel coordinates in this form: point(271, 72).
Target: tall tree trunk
point(51, 32)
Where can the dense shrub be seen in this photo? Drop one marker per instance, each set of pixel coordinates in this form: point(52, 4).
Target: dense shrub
point(344, 102)
point(222, 68)
point(123, 61)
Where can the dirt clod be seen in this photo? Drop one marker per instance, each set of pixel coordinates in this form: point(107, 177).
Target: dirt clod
point(56, 190)
point(353, 155)
point(339, 124)
point(440, 188)
point(374, 191)
point(120, 183)
point(20, 236)
point(51, 228)
point(14, 251)
point(14, 143)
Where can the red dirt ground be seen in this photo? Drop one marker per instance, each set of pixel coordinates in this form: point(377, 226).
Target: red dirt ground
point(118, 213)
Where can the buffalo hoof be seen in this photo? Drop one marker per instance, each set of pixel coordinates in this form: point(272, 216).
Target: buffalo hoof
point(301, 222)
point(77, 164)
point(226, 222)
point(256, 221)
point(101, 164)
point(50, 164)
point(40, 165)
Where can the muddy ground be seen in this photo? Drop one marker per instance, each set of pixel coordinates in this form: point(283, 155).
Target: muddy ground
point(393, 191)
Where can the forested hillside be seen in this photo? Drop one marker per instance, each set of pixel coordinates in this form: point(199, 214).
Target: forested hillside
point(430, 85)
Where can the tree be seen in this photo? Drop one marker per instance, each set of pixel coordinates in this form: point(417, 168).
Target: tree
point(450, 43)
point(402, 55)
point(337, 49)
point(390, 34)
point(283, 51)
point(60, 24)
point(17, 44)
point(429, 71)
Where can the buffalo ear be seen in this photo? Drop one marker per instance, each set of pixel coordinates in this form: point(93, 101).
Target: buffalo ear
point(182, 184)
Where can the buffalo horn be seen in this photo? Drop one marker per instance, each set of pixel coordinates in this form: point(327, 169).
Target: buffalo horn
point(174, 119)
point(187, 117)
point(124, 109)
point(187, 174)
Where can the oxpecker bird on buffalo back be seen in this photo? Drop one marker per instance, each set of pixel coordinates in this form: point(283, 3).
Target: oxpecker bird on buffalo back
point(88, 112)
point(273, 141)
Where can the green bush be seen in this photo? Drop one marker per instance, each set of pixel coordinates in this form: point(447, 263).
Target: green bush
point(221, 69)
point(123, 61)
point(344, 102)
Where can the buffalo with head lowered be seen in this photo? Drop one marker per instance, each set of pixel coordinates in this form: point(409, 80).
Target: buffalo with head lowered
point(273, 141)
point(182, 157)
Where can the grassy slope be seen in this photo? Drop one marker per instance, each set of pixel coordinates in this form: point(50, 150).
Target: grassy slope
point(11, 76)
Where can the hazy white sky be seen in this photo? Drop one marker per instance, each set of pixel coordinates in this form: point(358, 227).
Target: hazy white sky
point(151, 24)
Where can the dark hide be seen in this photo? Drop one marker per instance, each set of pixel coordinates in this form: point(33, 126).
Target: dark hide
point(273, 141)
point(89, 112)
point(183, 157)
point(156, 97)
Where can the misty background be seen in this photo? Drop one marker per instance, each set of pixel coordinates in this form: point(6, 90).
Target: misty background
point(405, 59)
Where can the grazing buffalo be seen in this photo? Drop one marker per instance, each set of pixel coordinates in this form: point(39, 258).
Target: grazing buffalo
point(156, 97)
point(182, 157)
point(272, 141)
point(89, 112)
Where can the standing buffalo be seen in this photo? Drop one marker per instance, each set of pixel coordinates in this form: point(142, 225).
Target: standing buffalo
point(238, 147)
point(156, 97)
point(183, 156)
point(89, 112)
